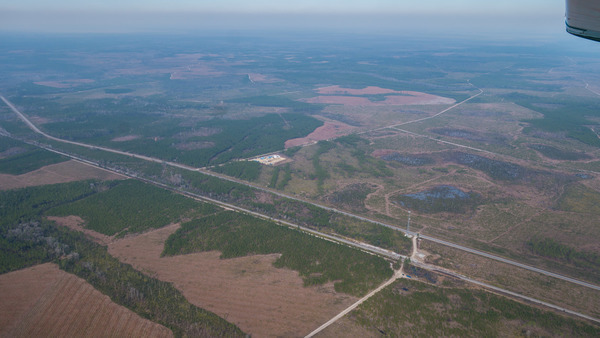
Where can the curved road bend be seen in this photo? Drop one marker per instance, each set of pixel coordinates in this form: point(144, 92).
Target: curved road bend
point(433, 239)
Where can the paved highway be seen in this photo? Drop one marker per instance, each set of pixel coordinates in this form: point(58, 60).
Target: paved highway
point(393, 227)
point(362, 246)
point(503, 291)
point(511, 262)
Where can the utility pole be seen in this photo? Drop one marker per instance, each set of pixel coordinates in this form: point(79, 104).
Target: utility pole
point(408, 223)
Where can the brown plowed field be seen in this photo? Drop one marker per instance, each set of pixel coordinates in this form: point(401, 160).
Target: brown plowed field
point(329, 130)
point(46, 301)
point(262, 300)
point(56, 173)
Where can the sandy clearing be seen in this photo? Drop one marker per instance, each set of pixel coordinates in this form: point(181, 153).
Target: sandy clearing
point(327, 131)
point(46, 301)
point(64, 83)
point(63, 172)
point(38, 120)
point(248, 291)
point(370, 90)
point(344, 100)
point(126, 138)
point(261, 78)
point(415, 98)
point(77, 223)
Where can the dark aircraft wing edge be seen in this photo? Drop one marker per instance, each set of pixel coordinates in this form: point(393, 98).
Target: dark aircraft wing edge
point(583, 18)
point(583, 33)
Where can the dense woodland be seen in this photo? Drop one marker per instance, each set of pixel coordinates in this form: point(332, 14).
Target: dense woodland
point(130, 206)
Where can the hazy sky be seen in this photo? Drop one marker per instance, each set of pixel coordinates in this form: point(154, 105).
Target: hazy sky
point(155, 15)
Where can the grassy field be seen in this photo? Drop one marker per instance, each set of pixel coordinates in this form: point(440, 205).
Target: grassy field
point(552, 290)
point(412, 308)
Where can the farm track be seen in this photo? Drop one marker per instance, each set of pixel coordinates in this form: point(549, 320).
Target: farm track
point(360, 246)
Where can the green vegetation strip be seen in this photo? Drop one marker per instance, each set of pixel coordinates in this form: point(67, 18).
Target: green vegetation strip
point(321, 173)
point(580, 199)
point(550, 248)
point(318, 261)
point(411, 308)
point(20, 158)
point(130, 207)
point(244, 170)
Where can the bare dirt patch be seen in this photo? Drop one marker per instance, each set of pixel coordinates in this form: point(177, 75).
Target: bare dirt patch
point(77, 223)
point(56, 173)
point(346, 96)
point(125, 138)
point(46, 301)
point(39, 120)
point(415, 98)
point(194, 145)
point(202, 132)
point(12, 151)
point(64, 83)
point(256, 77)
point(370, 90)
point(262, 300)
point(327, 131)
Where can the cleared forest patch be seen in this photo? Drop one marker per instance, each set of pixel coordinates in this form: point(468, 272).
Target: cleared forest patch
point(46, 301)
point(56, 173)
point(78, 224)
point(247, 291)
point(375, 96)
point(327, 131)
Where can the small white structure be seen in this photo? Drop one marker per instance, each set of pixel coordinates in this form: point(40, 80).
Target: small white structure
point(269, 159)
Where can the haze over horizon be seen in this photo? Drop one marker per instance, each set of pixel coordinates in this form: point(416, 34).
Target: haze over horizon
point(531, 17)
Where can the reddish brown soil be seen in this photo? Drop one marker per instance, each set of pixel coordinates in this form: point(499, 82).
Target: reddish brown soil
point(56, 173)
point(76, 223)
point(64, 83)
point(125, 138)
point(371, 90)
point(262, 300)
point(46, 301)
point(327, 131)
